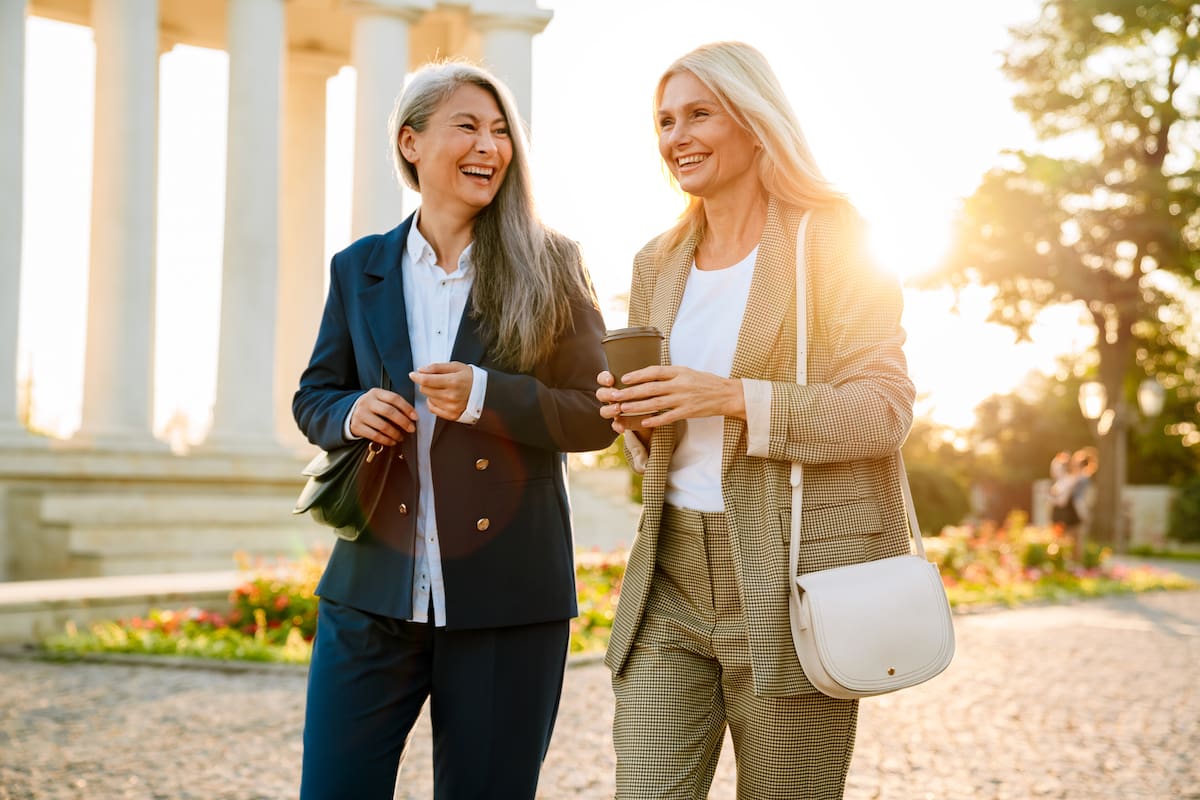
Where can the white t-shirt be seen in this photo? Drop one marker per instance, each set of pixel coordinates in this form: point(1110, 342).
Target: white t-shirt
point(704, 337)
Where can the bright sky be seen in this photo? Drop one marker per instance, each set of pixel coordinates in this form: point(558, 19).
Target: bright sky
point(903, 106)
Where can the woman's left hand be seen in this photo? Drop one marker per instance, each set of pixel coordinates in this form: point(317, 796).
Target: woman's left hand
point(447, 388)
point(672, 393)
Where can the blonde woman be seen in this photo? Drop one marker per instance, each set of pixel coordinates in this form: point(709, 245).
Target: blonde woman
point(461, 589)
point(701, 639)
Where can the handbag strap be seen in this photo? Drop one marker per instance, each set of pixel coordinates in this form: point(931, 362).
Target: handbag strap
point(797, 477)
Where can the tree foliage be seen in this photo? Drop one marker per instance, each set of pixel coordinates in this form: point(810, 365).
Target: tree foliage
point(1109, 77)
point(1115, 226)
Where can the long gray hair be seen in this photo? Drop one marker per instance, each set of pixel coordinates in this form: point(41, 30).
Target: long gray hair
point(526, 274)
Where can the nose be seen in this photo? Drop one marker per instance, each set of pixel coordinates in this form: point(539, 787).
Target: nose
point(677, 135)
point(485, 142)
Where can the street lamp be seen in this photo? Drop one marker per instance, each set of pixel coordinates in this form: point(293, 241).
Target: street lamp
point(1151, 396)
point(1092, 399)
point(1093, 404)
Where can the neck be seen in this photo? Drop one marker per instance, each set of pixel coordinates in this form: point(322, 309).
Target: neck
point(447, 235)
point(733, 225)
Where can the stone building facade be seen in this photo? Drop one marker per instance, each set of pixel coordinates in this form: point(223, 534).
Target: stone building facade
point(114, 499)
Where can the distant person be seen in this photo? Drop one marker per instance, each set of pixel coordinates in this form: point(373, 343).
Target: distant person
point(461, 589)
point(1084, 463)
point(1071, 496)
point(1063, 474)
point(701, 641)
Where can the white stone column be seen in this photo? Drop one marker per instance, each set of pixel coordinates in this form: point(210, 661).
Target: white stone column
point(12, 108)
point(244, 412)
point(119, 365)
point(379, 53)
point(302, 233)
point(508, 30)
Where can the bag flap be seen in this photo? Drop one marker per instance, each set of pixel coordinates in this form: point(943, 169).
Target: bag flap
point(880, 621)
point(323, 472)
point(326, 463)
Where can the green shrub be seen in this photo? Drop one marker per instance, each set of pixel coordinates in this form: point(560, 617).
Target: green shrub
point(1185, 512)
point(939, 497)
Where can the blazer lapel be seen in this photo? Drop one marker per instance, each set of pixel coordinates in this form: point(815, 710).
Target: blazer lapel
point(772, 293)
point(771, 301)
point(387, 319)
point(668, 294)
point(668, 291)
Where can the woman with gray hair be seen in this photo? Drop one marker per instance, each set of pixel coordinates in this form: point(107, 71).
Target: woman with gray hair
point(461, 588)
point(701, 642)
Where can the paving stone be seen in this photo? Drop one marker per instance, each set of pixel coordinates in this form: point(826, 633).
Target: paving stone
point(1094, 700)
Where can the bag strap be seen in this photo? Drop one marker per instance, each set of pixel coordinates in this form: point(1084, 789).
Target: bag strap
point(797, 477)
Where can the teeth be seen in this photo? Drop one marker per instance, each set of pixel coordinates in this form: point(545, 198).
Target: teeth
point(693, 159)
point(485, 172)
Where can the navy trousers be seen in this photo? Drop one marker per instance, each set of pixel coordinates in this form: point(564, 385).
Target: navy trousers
point(493, 696)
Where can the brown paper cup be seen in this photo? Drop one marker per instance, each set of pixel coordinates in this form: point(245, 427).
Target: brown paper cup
point(628, 349)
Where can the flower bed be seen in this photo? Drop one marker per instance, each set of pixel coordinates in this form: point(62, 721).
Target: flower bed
point(1015, 563)
point(272, 615)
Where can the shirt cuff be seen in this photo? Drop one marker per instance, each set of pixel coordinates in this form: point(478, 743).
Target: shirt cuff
point(758, 417)
point(638, 455)
point(346, 434)
point(474, 409)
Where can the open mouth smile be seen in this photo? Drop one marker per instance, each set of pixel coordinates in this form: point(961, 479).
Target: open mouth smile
point(684, 162)
point(482, 173)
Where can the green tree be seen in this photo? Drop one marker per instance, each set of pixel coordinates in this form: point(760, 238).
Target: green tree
point(1117, 229)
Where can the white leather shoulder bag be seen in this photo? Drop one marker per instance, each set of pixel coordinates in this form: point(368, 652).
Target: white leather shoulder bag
point(869, 628)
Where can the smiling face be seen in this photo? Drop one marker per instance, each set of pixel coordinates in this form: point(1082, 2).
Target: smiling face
point(462, 155)
point(705, 148)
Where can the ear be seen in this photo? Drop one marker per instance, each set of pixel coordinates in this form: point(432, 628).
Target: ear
point(407, 141)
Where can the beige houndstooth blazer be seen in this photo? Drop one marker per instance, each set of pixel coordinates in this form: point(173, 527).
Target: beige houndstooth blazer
point(845, 427)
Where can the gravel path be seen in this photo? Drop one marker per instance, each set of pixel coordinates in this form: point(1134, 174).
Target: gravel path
point(1094, 700)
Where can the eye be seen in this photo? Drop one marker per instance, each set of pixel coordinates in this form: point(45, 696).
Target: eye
point(665, 122)
point(503, 131)
point(466, 126)
point(700, 113)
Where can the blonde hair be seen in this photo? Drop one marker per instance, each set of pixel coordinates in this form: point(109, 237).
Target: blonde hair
point(746, 87)
point(526, 275)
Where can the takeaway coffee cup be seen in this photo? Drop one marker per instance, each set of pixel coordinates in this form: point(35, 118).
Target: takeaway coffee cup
point(628, 349)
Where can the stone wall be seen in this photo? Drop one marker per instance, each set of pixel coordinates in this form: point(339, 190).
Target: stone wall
point(71, 514)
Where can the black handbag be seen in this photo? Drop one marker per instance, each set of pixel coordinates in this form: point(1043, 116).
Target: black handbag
point(344, 485)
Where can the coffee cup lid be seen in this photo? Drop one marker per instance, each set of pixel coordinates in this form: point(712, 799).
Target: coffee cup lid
point(628, 333)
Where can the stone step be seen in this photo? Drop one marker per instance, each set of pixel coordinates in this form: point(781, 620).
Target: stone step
point(134, 564)
point(32, 610)
point(151, 508)
point(192, 538)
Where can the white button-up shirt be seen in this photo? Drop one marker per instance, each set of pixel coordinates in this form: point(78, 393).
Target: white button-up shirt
point(434, 301)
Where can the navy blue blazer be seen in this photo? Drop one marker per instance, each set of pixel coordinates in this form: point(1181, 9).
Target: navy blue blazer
point(504, 523)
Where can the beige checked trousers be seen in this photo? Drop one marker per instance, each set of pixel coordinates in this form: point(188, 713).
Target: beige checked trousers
point(689, 675)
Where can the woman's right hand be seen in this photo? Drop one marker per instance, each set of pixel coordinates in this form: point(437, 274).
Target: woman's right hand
point(382, 417)
point(612, 410)
point(609, 410)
